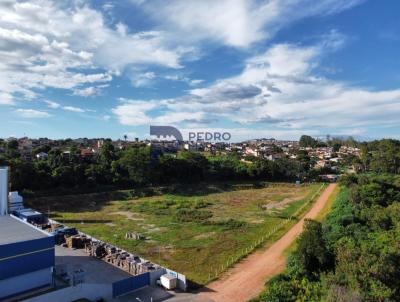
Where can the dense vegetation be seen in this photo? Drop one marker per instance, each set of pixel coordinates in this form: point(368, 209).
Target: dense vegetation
point(381, 156)
point(133, 167)
point(354, 255)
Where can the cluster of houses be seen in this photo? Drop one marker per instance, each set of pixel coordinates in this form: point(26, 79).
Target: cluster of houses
point(270, 149)
point(87, 147)
point(326, 157)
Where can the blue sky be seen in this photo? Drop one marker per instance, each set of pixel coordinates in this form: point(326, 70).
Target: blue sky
point(273, 68)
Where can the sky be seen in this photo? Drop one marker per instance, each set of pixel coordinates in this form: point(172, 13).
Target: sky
point(253, 68)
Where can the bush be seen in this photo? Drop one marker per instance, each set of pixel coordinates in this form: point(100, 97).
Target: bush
point(158, 208)
point(201, 204)
point(189, 215)
point(232, 224)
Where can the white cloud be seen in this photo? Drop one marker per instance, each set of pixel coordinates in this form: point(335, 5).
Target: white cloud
point(6, 98)
point(143, 79)
point(187, 80)
point(134, 112)
point(73, 109)
point(195, 82)
point(55, 105)
point(88, 91)
point(138, 112)
point(32, 113)
point(52, 105)
point(108, 6)
point(49, 44)
point(238, 23)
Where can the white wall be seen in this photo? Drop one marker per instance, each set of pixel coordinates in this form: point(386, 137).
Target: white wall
point(3, 190)
point(25, 282)
point(155, 275)
point(88, 291)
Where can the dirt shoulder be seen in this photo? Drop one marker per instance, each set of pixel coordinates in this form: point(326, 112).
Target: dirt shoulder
point(246, 279)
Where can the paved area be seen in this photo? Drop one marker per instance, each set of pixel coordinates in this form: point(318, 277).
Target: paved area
point(246, 280)
point(157, 294)
point(97, 271)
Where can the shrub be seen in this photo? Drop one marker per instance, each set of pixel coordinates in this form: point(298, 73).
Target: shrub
point(189, 215)
point(201, 204)
point(231, 224)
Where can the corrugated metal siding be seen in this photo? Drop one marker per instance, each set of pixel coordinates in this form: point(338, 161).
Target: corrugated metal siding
point(130, 284)
point(12, 249)
point(24, 283)
point(26, 264)
point(25, 257)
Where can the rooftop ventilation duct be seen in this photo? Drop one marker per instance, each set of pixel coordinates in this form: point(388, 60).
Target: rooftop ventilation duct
point(3, 190)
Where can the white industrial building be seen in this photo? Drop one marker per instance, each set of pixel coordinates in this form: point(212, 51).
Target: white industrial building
point(26, 253)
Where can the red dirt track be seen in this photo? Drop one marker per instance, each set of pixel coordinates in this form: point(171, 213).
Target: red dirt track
point(246, 279)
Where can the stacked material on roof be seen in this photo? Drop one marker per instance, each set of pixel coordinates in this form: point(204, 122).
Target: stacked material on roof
point(119, 258)
point(16, 202)
point(31, 216)
point(76, 241)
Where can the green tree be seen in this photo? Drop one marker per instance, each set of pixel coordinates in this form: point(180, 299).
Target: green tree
point(312, 252)
point(307, 141)
point(22, 174)
point(133, 167)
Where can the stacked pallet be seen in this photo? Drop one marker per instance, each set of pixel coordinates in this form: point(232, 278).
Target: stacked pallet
point(110, 249)
point(125, 264)
point(108, 258)
point(134, 236)
point(131, 264)
point(95, 249)
point(76, 241)
point(55, 226)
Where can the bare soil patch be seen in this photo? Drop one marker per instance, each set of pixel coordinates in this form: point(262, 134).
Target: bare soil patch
point(128, 215)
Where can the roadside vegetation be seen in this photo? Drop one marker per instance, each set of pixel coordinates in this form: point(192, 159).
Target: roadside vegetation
point(328, 205)
point(194, 229)
point(354, 254)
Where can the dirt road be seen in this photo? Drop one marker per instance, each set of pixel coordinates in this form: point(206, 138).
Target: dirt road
point(246, 279)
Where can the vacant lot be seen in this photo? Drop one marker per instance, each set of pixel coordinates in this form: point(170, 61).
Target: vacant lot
point(192, 230)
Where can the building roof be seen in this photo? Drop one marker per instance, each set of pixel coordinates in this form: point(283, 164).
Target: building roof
point(14, 230)
point(28, 213)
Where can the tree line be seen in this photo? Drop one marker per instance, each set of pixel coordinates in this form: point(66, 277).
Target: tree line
point(354, 255)
point(133, 166)
point(334, 142)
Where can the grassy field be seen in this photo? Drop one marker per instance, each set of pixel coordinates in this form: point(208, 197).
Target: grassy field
point(328, 206)
point(193, 230)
